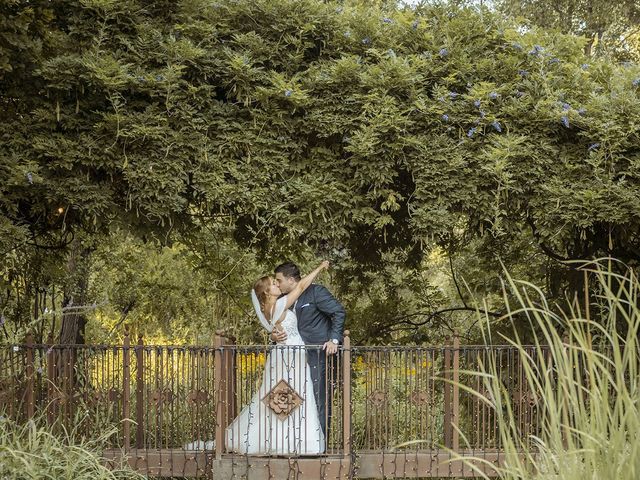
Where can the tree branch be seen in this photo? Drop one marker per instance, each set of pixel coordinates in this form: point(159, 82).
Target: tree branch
point(432, 315)
point(455, 281)
point(547, 250)
point(64, 243)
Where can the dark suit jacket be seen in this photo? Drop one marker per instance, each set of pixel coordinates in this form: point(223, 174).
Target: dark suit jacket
point(320, 316)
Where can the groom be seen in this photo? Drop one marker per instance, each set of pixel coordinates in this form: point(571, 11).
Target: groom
point(320, 322)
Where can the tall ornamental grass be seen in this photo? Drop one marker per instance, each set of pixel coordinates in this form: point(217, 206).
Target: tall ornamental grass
point(584, 379)
point(30, 451)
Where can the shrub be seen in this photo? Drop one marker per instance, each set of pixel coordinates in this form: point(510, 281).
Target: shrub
point(31, 451)
point(587, 383)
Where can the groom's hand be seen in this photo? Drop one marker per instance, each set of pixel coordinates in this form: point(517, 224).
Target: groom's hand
point(330, 348)
point(278, 336)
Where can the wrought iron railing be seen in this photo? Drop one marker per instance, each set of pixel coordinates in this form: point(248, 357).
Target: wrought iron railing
point(390, 400)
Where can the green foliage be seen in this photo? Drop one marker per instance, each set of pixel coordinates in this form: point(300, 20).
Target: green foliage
point(586, 384)
point(170, 294)
point(308, 127)
point(609, 27)
point(336, 114)
point(29, 451)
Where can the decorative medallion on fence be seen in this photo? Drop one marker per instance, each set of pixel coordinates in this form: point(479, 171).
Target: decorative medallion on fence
point(159, 396)
point(114, 395)
point(197, 397)
point(419, 397)
point(6, 391)
point(282, 399)
point(525, 397)
point(97, 397)
point(61, 397)
point(378, 398)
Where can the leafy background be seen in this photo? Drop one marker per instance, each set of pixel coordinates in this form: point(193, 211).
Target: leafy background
point(157, 158)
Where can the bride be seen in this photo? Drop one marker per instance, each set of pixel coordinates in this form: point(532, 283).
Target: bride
point(282, 417)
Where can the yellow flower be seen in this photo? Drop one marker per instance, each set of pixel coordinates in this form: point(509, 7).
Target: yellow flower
point(250, 363)
point(358, 364)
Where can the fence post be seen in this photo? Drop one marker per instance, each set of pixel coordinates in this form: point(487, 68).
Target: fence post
point(51, 378)
point(30, 394)
point(448, 407)
point(455, 413)
point(566, 433)
point(67, 382)
point(139, 392)
point(73, 352)
point(346, 396)
point(452, 392)
point(229, 365)
point(126, 390)
point(587, 302)
point(220, 393)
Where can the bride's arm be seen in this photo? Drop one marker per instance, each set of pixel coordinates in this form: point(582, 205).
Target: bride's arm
point(304, 283)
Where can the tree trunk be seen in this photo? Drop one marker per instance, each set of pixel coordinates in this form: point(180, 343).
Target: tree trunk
point(74, 315)
point(589, 45)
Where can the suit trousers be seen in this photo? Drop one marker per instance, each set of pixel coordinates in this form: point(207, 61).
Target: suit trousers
point(323, 375)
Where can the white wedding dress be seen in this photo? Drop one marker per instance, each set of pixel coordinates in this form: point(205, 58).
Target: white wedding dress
point(287, 430)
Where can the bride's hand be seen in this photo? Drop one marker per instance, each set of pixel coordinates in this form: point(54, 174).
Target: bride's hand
point(278, 336)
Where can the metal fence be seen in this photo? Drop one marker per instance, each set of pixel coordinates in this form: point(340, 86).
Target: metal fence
point(414, 397)
point(168, 399)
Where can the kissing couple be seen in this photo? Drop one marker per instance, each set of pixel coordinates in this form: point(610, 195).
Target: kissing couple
point(291, 411)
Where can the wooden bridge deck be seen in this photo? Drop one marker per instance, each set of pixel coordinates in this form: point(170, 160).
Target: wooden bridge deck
point(363, 464)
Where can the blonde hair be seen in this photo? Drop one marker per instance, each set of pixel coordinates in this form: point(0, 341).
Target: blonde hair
point(261, 287)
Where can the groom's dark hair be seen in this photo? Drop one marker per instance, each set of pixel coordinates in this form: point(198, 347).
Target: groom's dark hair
point(289, 269)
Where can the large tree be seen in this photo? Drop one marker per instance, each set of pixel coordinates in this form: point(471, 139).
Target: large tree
point(609, 27)
point(357, 128)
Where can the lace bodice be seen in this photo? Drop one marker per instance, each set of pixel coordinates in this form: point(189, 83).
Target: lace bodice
point(289, 324)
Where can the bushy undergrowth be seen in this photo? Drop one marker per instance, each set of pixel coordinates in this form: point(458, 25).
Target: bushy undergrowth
point(30, 451)
point(584, 377)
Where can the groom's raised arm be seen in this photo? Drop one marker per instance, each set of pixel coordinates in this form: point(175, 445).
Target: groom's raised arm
point(327, 304)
